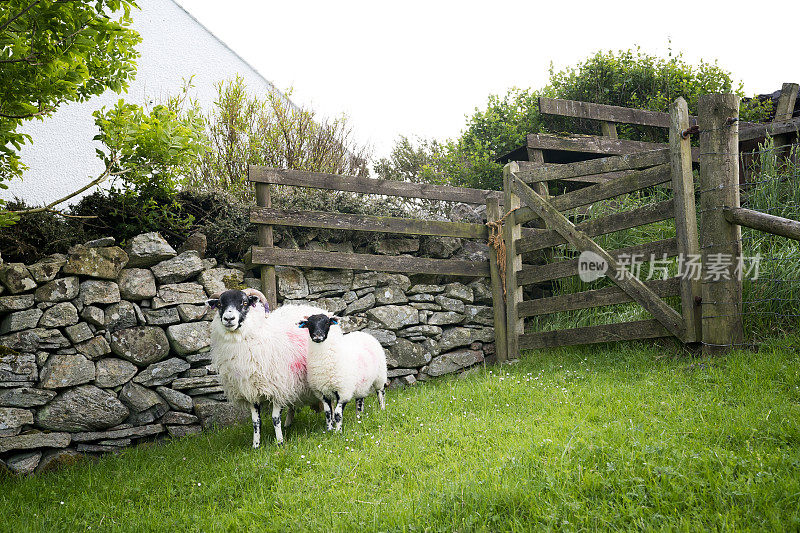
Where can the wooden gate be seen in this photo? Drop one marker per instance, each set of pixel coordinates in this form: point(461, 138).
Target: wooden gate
point(619, 175)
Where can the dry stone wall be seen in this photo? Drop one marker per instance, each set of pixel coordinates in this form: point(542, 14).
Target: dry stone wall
point(103, 347)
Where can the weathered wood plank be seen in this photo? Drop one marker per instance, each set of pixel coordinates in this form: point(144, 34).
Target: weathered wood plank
point(785, 107)
point(685, 213)
point(269, 282)
point(404, 189)
point(531, 173)
point(540, 273)
point(635, 288)
point(641, 179)
point(608, 113)
point(626, 331)
point(719, 186)
point(641, 216)
point(760, 131)
point(343, 221)
point(380, 263)
point(498, 298)
point(593, 298)
point(589, 144)
point(608, 129)
point(785, 227)
point(512, 232)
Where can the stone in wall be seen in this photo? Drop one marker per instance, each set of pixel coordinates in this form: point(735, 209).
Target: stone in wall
point(180, 268)
point(16, 278)
point(136, 284)
point(104, 263)
point(84, 408)
point(292, 283)
point(142, 345)
point(148, 249)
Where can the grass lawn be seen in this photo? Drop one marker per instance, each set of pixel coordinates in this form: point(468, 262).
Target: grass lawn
point(611, 437)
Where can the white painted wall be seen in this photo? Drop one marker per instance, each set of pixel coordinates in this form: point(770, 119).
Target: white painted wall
point(61, 157)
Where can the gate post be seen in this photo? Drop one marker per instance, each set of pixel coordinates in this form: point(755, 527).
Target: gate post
point(498, 298)
point(720, 241)
point(511, 234)
point(680, 157)
point(265, 238)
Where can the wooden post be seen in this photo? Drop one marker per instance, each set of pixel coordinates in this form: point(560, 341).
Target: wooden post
point(608, 129)
point(783, 112)
point(680, 152)
point(498, 298)
point(720, 240)
point(786, 101)
point(511, 234)
point(268, 281)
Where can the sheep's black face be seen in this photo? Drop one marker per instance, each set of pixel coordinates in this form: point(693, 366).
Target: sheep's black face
point(233, 306)
point(318, 326)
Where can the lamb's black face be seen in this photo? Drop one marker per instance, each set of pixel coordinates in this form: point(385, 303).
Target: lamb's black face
point(233, 306)
point(318, 326)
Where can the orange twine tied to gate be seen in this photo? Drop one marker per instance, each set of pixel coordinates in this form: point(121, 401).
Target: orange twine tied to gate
point(496, 241)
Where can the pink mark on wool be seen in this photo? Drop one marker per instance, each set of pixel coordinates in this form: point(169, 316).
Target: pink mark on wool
point(298, 366)
point(299, 338)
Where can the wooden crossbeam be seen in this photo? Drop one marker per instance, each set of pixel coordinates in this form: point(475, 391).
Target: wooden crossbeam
point(608, 113)
point(380, 263)
point(785, 227)
point(404, 189)
point(345, 221)
point(635, 288)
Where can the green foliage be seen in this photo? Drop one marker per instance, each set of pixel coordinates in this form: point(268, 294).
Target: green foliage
point(629, 78)
point(148, 153)
point(39, 234)
point(610, 438)
point(54, 52)
point(245, 129)
point(150, 150)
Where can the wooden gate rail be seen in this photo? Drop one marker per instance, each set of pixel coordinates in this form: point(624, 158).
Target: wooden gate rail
point(648, 214)
point(403, 189)
point(626, 331)
point(530, 274)
point(634, 287)
point(594, 298)
point(641, 179)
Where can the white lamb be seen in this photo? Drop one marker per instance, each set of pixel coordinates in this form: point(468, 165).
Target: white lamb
point(261, 357)
point(343, 367)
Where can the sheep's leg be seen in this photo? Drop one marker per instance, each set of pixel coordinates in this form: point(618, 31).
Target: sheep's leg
point(338, 415)
point(255, 414)
point(381, 400)
point(276, 423)
point(289, 417)
point(326, 403)
point(359, 407)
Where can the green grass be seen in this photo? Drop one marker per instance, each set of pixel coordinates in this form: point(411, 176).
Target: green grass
point(609, 437)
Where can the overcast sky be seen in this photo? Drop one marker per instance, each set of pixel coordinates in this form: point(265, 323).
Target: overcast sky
point(418, 67)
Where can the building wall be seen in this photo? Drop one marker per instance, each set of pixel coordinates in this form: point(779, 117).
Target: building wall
point(174, 47)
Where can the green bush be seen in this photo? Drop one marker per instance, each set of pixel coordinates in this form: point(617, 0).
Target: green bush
point(629, 78)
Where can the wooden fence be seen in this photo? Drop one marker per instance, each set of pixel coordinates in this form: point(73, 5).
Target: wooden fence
point(265, 216)
point(627, 168)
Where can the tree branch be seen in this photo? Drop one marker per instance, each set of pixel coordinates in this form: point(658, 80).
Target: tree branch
point(29, 115)
point(18, 15)
point(97, 181)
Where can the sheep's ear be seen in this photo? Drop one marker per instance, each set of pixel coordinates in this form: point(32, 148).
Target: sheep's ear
point(253, 300)
point(334, 319)
point(302, 324)
point(213, 303)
